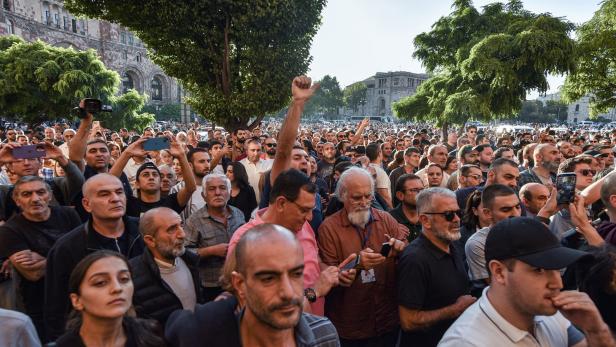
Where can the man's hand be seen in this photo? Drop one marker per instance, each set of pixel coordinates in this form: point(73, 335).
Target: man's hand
point(327, 280)
point(176, 149)
point(463, 302)
point(52, 151)
point(578, 213)
point(346, 277)
point(551, 207)
point(135, 149)
point(397, 246)
point(369, 259)
point(6, 152)
point(26, 258)
point(219, 250)
point(579, 309)
point(302, 88)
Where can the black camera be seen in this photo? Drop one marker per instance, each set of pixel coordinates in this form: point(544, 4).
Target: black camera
point(92, 106)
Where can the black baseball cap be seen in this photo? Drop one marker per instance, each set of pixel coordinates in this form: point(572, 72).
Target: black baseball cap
point(528, 240)
point(147, 165)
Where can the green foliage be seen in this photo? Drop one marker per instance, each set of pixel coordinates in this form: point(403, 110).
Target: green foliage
point(533, 111)
point(236, 58)
point(354, 95)
point(126, 108)
point(327, 99)
point(167, 112)
point(39, 82)
point(596, 61)
point(484, 63)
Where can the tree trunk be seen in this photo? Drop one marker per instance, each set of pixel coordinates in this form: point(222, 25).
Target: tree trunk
point(444, 130)
point(226, 70)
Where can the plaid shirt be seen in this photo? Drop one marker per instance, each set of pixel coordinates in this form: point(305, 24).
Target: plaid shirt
point(529, 176)
point(204, 231)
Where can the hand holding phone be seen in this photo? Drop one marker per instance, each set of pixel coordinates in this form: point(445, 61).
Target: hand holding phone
point(385, 249)
point(156, 144)
point(353, 264)
point(565, 185)
point(29, 152)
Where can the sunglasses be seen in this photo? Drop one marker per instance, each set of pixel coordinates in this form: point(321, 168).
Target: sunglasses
point(271, 144)
point(585, 172)
point(449, 215)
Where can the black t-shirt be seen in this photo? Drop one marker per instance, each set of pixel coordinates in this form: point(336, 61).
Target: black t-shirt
point(135, 207)
point(429, 279)
point(324, 169)
point(20, 234)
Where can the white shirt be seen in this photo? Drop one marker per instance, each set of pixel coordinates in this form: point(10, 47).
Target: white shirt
point(255, 171)
point(195, 202)
point(482, 325)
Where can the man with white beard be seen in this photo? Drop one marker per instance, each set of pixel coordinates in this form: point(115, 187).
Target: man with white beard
point(433, 285)
point(363, 308)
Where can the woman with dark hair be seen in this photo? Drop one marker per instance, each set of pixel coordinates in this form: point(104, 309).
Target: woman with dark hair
point(451, 165)
point(101, 292)
point(309, 148)
point(396, 162)
point(242, 194)
point(473, 218)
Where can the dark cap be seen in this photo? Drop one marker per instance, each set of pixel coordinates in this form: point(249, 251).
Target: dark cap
point(593, 153)
point(146, 165)
point(530, 241)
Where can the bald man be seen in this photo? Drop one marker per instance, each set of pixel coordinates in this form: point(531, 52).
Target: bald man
point(107, 228)
point(534, 196)
point(268, 279)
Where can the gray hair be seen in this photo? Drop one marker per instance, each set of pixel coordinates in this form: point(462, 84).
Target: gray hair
point(168, 167)
point(425, 197)
point(212, 176)
point(341, 189)
point(147, 224)
point(608, 188)
point(28, 179)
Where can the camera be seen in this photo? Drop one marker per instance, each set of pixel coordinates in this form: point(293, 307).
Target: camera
point(92, 106)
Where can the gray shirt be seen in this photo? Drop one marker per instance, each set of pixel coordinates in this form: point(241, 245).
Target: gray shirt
point(179, 278)
point(475, 254)
point(17, 330)
point(202, 230)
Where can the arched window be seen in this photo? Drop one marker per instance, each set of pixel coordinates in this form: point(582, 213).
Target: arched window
point(157, 89)
point(6, 4)
point(11, 27)
point(127, 82)
point(138, 57)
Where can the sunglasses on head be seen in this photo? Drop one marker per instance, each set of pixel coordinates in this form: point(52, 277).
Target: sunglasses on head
point(449, 215)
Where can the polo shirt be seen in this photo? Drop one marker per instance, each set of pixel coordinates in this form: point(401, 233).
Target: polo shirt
point(429, 279)
point(482, 325)
point(475, 249)
point(306, 239)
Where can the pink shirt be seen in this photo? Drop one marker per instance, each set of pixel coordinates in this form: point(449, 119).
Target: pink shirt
point(306, 238)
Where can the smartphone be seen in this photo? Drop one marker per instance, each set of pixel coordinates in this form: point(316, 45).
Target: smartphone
point(565, 185)
point(29, 152)
point(385, 249)
point(354, 264)
point(156, 144)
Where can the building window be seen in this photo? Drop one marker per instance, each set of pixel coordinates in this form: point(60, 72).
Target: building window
point(123, 37)
point(6, 5)
point(47, 17)
point(157, 89)
point(74, 25)
point(11, 27)
point(56, 19)
point(65, 23)
point(577, 108)
point(138, 57)
point(382, 82)
point(396, 81)
point(127, 83)
point(124, 55)
point(131, 39)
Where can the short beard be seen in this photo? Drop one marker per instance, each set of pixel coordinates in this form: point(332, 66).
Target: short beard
point(171, 252)
point(551, 166)
point(360, 217)
point(446, 236)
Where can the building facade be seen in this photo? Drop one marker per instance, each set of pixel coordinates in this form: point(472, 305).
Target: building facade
point(579, 110)
point(118, 48)
point(385, 88)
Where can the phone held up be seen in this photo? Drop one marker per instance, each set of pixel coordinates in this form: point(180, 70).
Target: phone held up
point(565, 185)
point(353, 264)
point(29, 152)
point(156, 144)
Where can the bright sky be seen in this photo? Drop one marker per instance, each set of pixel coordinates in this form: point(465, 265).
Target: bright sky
point(361, 37)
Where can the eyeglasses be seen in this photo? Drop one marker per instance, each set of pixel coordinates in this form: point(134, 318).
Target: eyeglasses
point(476, 177)
point(585, 172)
point(413, 190)
point(449, 215)
point(271, 144)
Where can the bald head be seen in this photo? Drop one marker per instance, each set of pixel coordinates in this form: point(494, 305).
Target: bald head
point(534, 196)
point(101, 179)
point(253, 243)
point(155, 218)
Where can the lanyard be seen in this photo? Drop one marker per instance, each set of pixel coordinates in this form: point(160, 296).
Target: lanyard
point(364, 239)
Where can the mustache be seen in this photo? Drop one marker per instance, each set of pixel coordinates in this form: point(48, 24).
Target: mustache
point(290, 302)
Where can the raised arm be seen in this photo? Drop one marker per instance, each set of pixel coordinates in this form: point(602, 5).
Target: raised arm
point(592, 193)
point(134, 149)
point(77, 147)
point(190, 185)
point(302, 90)
point(360, 131)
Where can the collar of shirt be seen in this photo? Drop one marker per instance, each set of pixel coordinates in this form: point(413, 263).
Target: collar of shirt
point(512, 332)
point(432, 249)
point(164, 265)
point(206, 213)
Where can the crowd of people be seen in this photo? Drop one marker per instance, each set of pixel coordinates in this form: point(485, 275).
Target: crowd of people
point(296, 234)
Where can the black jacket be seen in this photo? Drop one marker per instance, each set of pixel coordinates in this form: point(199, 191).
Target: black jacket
point(152, 297)
point(64, 256)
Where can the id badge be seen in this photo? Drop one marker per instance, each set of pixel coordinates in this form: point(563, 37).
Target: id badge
point(367, 276)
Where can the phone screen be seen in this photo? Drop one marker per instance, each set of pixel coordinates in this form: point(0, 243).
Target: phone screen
point(156, 144)
point(565, 185)
point(29, 152)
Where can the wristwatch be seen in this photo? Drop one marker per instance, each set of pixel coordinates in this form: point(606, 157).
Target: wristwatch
point(310, 294)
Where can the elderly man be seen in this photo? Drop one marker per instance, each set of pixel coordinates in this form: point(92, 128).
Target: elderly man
point(546, 158)
point(534, 196)
point(210, 229)
point(437, 154)
point(68, 136)
point(165, 277)
point(358, 230)
point(108, 228)
point(524, 305)
point(268, 281)
point(27, 238)
point(433, 285)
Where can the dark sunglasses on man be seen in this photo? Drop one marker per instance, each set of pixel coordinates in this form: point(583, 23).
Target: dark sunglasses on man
point(449, 215)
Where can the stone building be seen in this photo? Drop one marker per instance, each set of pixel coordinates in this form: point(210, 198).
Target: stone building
point(117, 47)
point(385, 88)
point(579, 110)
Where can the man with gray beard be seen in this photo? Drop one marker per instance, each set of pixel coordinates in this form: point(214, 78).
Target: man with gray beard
point(166, 277)
point(363, 307)
point(547, 159)
point(433, 285)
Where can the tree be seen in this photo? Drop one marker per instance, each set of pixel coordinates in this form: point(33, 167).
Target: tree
point(167, 112)
point(327, 99)
point(39, 82)
point(236, 58)
point(596, 55)
point(354, 95)
point(484, 63)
